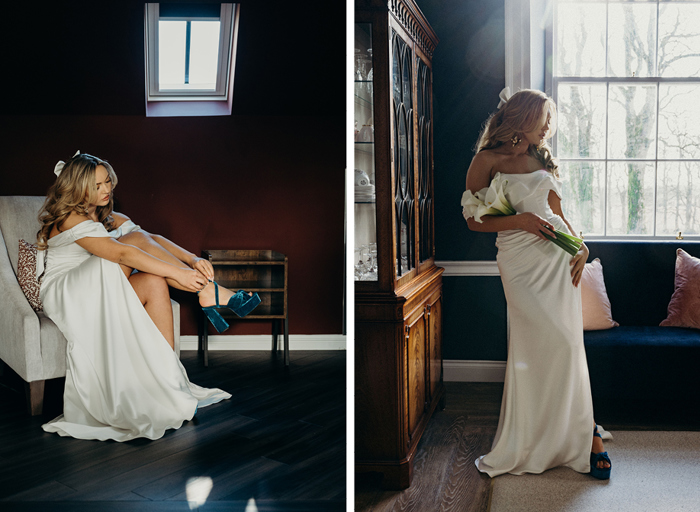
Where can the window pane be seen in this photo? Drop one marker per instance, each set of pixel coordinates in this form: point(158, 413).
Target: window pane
point(581, 120)
point(204, 54)
point(630, 198)
point(678, 198)
point(171, 54)
point(631, 39)
point(679, 121)
point(580, 39)
point(679, 40)
point(583, 189)
point(631, 121)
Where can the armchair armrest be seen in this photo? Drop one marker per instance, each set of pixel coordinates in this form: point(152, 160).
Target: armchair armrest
point(20, 338)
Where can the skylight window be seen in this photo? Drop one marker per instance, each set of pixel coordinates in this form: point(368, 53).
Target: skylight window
point(190, 56)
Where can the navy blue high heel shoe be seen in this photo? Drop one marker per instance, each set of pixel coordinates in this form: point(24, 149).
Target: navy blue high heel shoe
point(240, 303)
point(599, 473)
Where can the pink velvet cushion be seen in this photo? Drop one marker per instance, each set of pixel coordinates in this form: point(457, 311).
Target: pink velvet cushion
point(684, 308)
point(594, 297)
point(26, 274)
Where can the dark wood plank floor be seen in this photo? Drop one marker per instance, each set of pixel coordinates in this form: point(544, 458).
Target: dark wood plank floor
point(279, 441)
point(445, 477)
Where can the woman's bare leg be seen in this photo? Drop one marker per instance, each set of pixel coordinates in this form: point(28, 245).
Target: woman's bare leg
point(142, 240)
point(598, 448)
point(153, 292)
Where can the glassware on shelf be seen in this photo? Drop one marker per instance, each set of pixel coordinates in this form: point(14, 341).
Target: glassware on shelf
point(366, 134)
point(358, 64)
point(373, 263)
point(370, 73)
point(366, 267)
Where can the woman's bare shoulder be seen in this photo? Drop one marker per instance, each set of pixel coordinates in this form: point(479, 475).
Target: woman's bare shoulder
point(73, 219)
point(119, 219)
point(479, 173)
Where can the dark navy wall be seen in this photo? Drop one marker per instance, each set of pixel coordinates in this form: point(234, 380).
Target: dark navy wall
point(468, 74)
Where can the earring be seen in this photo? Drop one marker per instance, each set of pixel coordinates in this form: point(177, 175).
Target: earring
point(515, 140)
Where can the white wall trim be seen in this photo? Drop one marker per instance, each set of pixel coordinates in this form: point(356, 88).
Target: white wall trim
point(264, 342)
point(469, 268)
point(473, 371)
point(517, 35)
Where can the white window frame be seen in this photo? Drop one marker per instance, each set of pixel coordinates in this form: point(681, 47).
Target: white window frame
point(190, 101)
point(529, 26)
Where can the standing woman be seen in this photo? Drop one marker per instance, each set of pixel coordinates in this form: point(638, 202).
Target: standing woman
point(123, 379)
point(546, 415)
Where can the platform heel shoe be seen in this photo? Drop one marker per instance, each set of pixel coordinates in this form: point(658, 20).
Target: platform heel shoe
point(240, 303)
point(599, 473)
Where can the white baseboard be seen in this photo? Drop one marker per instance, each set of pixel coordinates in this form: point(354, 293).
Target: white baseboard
point(264, 342)
point(469, 268)
point(474, 371)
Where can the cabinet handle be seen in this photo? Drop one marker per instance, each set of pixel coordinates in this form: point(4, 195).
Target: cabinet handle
point(408, 330)
point(428, 309)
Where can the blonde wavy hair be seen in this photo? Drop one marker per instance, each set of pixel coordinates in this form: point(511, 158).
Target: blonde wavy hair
point(74, 191)
point(524, 112)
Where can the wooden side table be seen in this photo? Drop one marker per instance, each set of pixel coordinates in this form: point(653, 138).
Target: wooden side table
point(261, 271)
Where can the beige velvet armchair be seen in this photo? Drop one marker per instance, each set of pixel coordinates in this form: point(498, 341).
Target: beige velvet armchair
point(30, 343)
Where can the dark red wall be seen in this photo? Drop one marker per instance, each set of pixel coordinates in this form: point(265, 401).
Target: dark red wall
point(270, 176)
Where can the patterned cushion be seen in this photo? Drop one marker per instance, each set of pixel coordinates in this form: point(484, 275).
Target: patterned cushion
point(26, 274)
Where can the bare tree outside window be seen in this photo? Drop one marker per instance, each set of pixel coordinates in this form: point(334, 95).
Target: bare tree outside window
point(627, 82)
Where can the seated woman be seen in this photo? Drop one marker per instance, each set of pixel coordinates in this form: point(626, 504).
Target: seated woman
point(123, 379)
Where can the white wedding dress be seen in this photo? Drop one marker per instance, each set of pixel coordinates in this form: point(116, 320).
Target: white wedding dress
point(123, 380)
point(546, 415)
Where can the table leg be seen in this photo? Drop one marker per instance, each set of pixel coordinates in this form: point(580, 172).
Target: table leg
point(275, 335)
point(286, 341)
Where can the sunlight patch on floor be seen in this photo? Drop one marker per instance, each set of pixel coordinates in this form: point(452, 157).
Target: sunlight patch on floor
point(197, 490)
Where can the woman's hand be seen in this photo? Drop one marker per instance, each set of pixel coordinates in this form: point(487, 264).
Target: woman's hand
point(204, 266)
point(577, 264)
point(192, 280)
point(533, 223)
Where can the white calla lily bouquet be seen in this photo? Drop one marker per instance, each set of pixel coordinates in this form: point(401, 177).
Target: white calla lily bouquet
point(492, 200)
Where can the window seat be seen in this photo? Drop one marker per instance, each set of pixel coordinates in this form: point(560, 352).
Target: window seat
point(641, 372)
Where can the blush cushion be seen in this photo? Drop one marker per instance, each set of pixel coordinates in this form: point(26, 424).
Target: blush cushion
point(684, 307)
point(597, 312)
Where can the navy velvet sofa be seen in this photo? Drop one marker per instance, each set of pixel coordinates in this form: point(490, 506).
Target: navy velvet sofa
point(640, 372)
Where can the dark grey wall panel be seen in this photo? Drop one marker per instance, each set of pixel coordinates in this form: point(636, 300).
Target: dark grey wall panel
point(474, 318)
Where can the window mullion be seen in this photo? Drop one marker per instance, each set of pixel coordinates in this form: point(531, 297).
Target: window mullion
point(188, 50)
point(656, 137)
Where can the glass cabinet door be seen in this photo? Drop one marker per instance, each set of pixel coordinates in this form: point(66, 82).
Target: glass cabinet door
point(404, 200)
point(425, 158)
point(365, 195)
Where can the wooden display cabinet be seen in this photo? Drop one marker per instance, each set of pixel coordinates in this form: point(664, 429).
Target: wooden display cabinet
point(398, 287)
point(261, 271)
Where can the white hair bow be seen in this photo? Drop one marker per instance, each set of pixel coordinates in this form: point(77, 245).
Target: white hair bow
point(504, 96)
point(59, 166)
